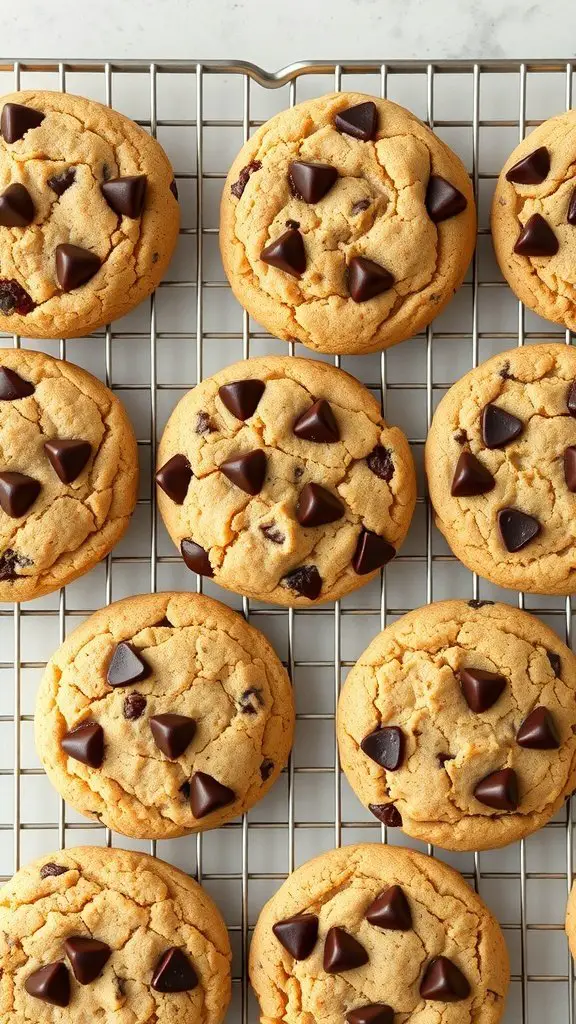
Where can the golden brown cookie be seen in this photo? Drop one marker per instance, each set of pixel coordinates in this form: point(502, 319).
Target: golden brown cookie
point(164, 714)
point(571, 920)
point(501, 467)
point(534, 220)
point(91, 934)
point(373, 934)
point(346, 224)
point(279, 478)
point(88, 214)
point(458, 722)
point(68, 473)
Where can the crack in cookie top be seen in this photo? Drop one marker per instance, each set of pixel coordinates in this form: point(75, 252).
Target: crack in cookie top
point(346, 224)
point(464, 719)
point(279, 478)
point(68, 473)
point(105, 933)
point(164, 714)
point(501, 465)
point(371, 934)
point(88, 221)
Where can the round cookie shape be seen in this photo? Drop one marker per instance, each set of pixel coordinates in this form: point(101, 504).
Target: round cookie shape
point(91, 933)
point(483, 698)
point(68, 473)
point(365, 933)
point(279, 478)
point(352, 261)
point(534, 220)
point(501, 466)
point(164, 714)
point(88, 217)
point(571, 920)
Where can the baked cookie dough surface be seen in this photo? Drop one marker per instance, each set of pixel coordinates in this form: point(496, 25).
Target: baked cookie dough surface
point(422, 685)
point(386, 963)
point(376, 209)
point(336, 484)
point(515, 416)
point(101, 727)
point(68, 473)
point(67, 154)
point(139, 908)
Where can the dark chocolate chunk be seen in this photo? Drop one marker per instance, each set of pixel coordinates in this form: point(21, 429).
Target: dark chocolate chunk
point(266, 769)
point(305, 580)
point(367, 279)
point(476, 603)
point(570, 468)
point(174, 972)
point(208, 795)
point(196, 558)
point(60, 183)
point(68, 458)
point(237, 189)
point(555, 662)
point(18, 493)
point(87, 957)
point(538, 731)
point(297, 934)
point(390, 910)
point(172, 733)
point(17, 119)
point(286, 253)
point(292, 223)
point(499, 790)
point(536, 238)
point(388, 814)
point(247, 472)
point(481, 689)
point(470, 477)
point(372, 552)
point(134, 706)
point(443, 982)
point(571, 399)
point(241, 397)
point(85, 743)
point(360, 206)
point(13, 386)
point(204, 424)
point(311, 182)
point(385, 746)
point(499, 427)
point(443, 200)
point(10, 560)
point(51, 870)
point(174, 189)
point(14, 299)
point(461, 436)
point(126, 195)
point(532, 169)
point(251, 700)
point(360, 121)
point(75, 266)
point(273, 534)
point(373, 1013)
point(174, 478)
point(51, 983)
point(318, 424)
point(517, 528)
point(380, 462)
point(571, 216)
point(127, 666)
point(504, 372)
point(317, 506)
point(16, 207)
point(342, 952)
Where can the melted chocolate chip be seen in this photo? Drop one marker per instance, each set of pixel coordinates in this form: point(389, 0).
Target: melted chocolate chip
point(251, 700)
point(204, 424)
point(51, 870)
point(133, 707)
point(388, 814)
point(294, 224)
point(360, 206)
point(60, 183)
point(504, 372)
point(237, 189)
point(13, 298)
point(266, 769)
point(475, 603)
point(461, 437)
point(9, 561)
point(273, 534)
point(380, 462)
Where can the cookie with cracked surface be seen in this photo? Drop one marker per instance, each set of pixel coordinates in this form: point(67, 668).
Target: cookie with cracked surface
point(346, 224)
point(534, 220)
point(68, 473)
point(501, 465)
point(88, 220)
point(463, 719)
point(100, 934)
point(164, 714)
point(366, 933)
point(279, 478)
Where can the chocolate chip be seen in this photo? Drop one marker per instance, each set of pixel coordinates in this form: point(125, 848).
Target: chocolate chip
point(249, 699)
point(538, 731)
point(172, 734)
point(367, 279)
point(10, 560)
point(570, 469)
point(17, 119)
point(247, 472)
point(442, 758)
point(380, 462)
point(208, 795)
point(174, 478)
point(134, 706)
point(174, 189)
point(444, 982)
point(385, 746)
point(470, 477)
point(571, 216)
point(266, 769)
point(16, 207)
point(517, 528)
point(481, 689)
point(297, 934)
point(196, 558)
point(499, 427)
point(311, 182)
point(373, 1013)
point(555, 662)
point(155, 257)
point(499, 790)
point(273, 534)
point(51, 983)
point(68, 458)
point(241, 397)
point(286, 253)
point(316, 506)
point(127, 666)
point(360, 121)
point(51, 870)
point(532, 169)
point(298, 473)
point(536, 238)
point(504, 372)
point(293, 224)
point(174, 972)
point(18, 493)
point(237, 189)
point(75, 266)
point(60, 183)
point(461, 436)
point(443, 200)
point(342, 952)
point(106, 172)
point(13, 386)
point(305, 580)
point(571, 399)
point(14, 299)
point(372, 552)
point(390, 910)
point(317, 424)
point(388, 814)
point(87, 957)
point(475, 603)
point(360, 206)
point(126, 195)
point(85, 743)
point(204, 424)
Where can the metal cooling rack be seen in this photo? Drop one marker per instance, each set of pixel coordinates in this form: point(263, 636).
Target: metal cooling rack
point(202, 112)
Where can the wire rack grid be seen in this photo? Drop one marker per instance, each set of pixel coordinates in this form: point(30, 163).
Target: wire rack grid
point(202, 112)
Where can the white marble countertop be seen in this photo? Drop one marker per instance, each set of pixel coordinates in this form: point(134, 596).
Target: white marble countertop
point(273, 33)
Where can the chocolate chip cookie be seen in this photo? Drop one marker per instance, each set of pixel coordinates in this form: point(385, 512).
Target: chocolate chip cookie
point(164, 714)
point(373, 934)
point(346, 224)
point(91, 934)
point(501, 466)
point(68, 473)
point(462, 718)
point(279, 478)
point(534, 220)
point(88, 214)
